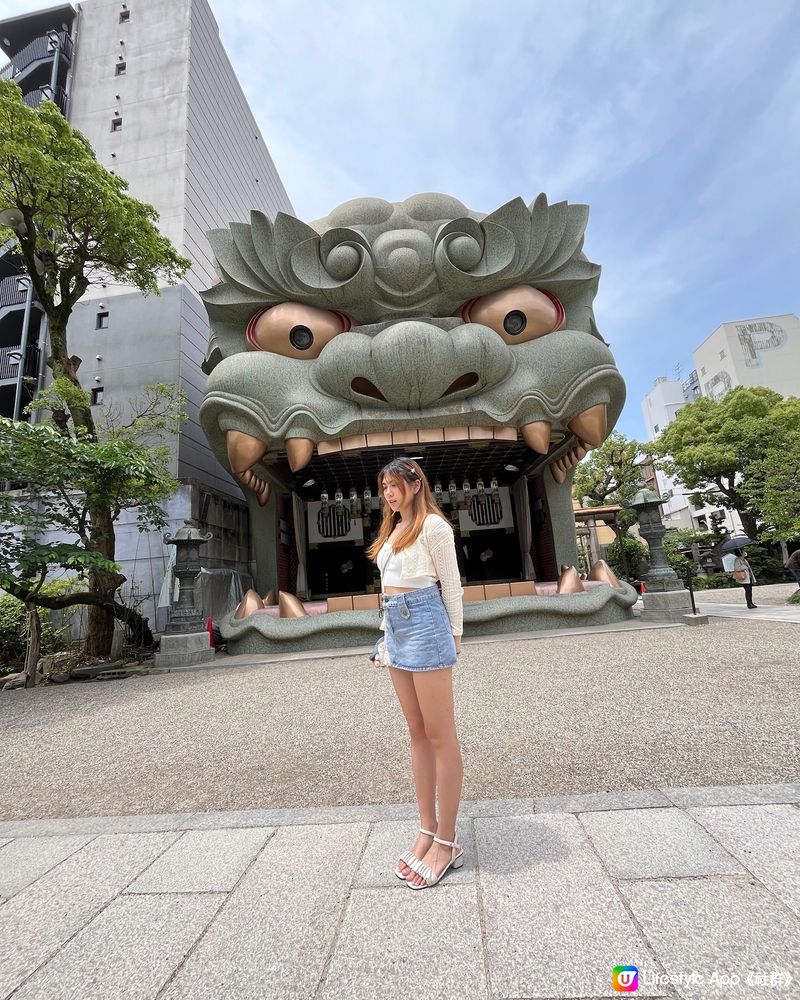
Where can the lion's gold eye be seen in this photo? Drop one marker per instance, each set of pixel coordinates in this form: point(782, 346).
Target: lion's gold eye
point(518, 314)
point(294, 330)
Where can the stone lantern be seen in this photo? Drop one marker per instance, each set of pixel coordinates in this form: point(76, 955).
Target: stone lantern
point(665, 597)
point(185, 640)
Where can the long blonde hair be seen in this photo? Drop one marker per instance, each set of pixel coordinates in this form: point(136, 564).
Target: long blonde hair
point(405, 469)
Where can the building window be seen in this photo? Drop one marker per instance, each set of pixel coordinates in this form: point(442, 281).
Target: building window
point(721, 355)
point(124, 16)
point(656, 428)
point(97, 395)
point(702, 371)
point(116, 124)
point(121, 69)
point(102, 321)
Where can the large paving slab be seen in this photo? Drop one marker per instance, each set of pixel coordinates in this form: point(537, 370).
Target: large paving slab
point(400, 943)
point(203, 861)
point(41, 918)
point(553, 919)
point(724, 795)
point(651, 843)
point(766, 839)
point(24, 860)
point(387, 841)
point(128, 952)
point(716, 936)
point(626, 799)
point(272, 937)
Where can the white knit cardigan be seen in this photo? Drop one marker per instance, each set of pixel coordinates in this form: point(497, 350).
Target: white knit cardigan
point(433, 553)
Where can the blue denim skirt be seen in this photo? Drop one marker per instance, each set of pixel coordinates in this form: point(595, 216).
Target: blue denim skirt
point(418, 635)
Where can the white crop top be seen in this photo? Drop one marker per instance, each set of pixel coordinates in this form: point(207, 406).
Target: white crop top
point(431, 557)
point(390, 563)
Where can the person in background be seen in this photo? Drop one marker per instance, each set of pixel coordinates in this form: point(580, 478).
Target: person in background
point(744, 575)
point(793, 565)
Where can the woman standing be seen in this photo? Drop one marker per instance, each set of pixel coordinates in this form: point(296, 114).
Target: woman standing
point(743, 574)
point(414, 548)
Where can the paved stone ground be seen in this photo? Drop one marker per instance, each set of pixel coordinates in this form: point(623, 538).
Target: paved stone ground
point(584, 847)
point(770, 595)
point(698, 888)
point(630, 709)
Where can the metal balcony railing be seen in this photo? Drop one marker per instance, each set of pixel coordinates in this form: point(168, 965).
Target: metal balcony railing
point(37, 50)
point(10, 292)
point(35, 98)
point(9, 365)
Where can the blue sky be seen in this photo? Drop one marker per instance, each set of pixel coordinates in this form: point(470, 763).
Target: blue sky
point(679, 124)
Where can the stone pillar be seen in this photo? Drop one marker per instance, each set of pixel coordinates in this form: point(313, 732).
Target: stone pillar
point(185, 640)
point(665, 599)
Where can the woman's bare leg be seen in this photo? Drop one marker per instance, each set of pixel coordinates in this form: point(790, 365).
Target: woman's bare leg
point(423, 762)
point(434, 690)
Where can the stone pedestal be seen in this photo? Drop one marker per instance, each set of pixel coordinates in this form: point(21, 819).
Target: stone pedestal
point(665, 606)
point(184, 649)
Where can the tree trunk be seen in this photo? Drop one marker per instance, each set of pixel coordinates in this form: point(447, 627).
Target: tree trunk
point(34, 643)
point(100, 632)
point(749, 523)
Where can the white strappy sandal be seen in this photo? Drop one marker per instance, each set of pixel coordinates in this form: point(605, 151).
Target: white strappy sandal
point(430, 876)
point(408, 857)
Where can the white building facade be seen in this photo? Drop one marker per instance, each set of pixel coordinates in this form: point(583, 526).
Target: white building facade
point(151, 87)
point(763, 351)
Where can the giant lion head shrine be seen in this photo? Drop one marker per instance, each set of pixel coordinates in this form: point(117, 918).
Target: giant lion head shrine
point(424, 329)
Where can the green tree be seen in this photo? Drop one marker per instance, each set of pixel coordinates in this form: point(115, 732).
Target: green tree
point(772, 485)
point(714, 446)
point(79, 226)
point(64, 479)
point(608, 475)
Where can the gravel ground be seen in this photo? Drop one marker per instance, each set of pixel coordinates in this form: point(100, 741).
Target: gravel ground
point(770, 594)
point(679, 706)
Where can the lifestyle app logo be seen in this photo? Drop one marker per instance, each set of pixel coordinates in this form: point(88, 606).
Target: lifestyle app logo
point(625, 978)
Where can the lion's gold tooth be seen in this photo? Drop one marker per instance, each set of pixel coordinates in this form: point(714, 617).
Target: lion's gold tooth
point(329, 447)
point(431, 434)
point(244, 450)
point(249, 603)
point(256, 485)
point(537, 435)
point(591, 425)
point(299, 451)
point(602, 572)
point(271, 598)
point(379, 440)
point(505, 433)
point(580, 452)
point(456, 433)
point(290, 606)
point(570, 581)
point(558, 474)
point(404, 437)
point(354, 442)
point(480, 433)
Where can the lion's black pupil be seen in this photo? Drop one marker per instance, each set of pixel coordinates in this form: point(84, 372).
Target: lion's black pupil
point(515, 322)
point(301, 337)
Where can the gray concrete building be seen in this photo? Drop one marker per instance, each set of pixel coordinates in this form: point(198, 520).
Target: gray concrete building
point(151, 87)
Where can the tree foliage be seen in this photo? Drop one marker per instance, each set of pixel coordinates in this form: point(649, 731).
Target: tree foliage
point(714, 446)
point(609, 475)
point(80, 226)
point(772, 485)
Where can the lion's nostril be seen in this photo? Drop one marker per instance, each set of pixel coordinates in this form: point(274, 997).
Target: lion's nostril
point(462, 382)
point(367, 388)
